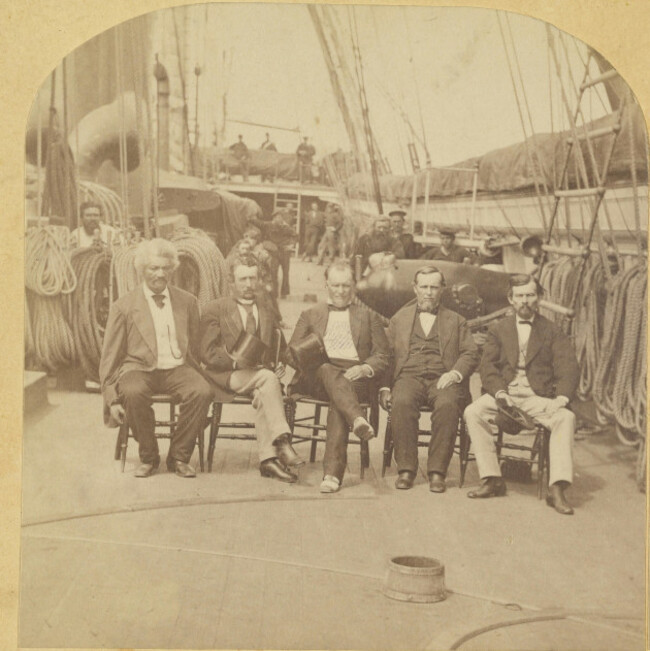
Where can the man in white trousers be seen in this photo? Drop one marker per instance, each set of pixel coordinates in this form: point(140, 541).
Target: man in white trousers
point(527, 362)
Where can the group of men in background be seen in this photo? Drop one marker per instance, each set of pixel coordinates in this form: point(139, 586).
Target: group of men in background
point(156, 342)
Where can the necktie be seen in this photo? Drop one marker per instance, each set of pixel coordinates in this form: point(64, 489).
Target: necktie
point(335, 308)
point(250, 326)
point(159, 300)
point(423, 311)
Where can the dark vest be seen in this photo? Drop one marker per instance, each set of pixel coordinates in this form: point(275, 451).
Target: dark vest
point(424, 358)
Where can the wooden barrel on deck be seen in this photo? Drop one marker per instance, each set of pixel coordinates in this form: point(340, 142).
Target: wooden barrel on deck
point(415, 578)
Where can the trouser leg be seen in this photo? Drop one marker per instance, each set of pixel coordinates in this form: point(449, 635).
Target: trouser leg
point(270, 417)
point(195, 395)
point(408, 394)
point(340, 391)
point(446, 406)
point(136, 389)
point(336, 446)
point(285, 263)
point(562, 426)
point(477, 417)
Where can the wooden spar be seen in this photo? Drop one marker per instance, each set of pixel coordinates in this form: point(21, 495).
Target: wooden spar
point(39, 159)
point(472, 215)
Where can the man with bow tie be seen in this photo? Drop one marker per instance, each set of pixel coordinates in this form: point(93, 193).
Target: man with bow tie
point(357, 348)
point(222, 323)
point(433, 357)
point(150, 347)
point(530, 363)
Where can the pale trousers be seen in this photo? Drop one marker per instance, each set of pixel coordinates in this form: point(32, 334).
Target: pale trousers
point(561, 424)
point(270, 418)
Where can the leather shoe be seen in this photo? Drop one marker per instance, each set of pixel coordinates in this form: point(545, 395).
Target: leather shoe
point(437, 483)
point(273, 469)
point(491, 487)
point(181, 468)
point(405, 479)
point(286, 454)
point(557, 500)
point(146, 469)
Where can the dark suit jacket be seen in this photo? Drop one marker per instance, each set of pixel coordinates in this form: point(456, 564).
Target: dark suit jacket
point(221, 325)
point(551, 365)
point(458, 350)
point(130, 339)
point(367, 333)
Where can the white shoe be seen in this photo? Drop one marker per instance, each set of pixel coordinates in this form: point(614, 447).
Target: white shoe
point(330, 484)
point(362, 428)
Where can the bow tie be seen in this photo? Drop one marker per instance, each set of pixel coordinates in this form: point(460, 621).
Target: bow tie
point(528, 323)
point(159, 300)
point(336, 308)
point(422, 310)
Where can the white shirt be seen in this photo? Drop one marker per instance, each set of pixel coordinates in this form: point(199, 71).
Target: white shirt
point(169, 352)
point(427, 321)
point(338, 336)
point(80, 238)
point(244, 314)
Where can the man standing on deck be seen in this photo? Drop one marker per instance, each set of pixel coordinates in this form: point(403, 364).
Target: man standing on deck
point(448, 250)
point(330, 244)
point(314, 228)
point(527, 362)
point(150, 347)
point(268, 145)
point(357, 348)
point(378, 240)
point(433, 357)
point(241, 153)
point(305, 154)
point(224, 321)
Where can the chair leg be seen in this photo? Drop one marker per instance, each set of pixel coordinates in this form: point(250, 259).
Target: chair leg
point(388, 446)
point(124, 436)
point(315, 432)
point(118, 443)
point(290, 413)
point(542, 461)
point(200, 439)
point(365, 457)
point(214, 430)
point(464, 445)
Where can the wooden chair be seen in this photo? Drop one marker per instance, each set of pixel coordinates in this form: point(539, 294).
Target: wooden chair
point(461, 446)
point(318, 429)
point(164, 429)
point(216, 426)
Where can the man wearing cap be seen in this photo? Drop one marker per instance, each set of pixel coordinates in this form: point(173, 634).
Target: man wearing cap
point(527, 362)
point(150, 347)
point(433, 357)
point(448, 250)
point(378, 240)
point(357, 349)
point(224, 324)
point(240, 152)
point(412, 249)
point(305, 155)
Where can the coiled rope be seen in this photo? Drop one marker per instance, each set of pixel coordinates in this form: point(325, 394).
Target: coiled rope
point(49, 279)
point(204, 261)
point(90, 304)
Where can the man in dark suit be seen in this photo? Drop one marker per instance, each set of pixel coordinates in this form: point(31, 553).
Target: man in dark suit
point(448, 250)
point(357, 348)
point(150, 347)
point(530, 363)
point(222, 323)
point(433, 356)
point(378, 240)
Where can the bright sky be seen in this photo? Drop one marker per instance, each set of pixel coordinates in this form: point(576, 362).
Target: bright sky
point(450, 61)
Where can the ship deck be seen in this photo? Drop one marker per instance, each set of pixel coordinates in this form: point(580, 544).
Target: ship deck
point(233, 560)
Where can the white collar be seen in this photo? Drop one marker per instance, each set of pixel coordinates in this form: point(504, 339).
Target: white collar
point(519, 319)
point(245, 301)
point(148, 292)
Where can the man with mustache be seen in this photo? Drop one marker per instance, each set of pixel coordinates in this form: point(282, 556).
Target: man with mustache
point(433, 357)
point(527, 362)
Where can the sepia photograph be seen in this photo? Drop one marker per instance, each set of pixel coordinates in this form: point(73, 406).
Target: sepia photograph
point(335, 334)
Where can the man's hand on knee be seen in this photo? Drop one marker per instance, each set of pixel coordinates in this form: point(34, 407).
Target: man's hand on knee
point(117, 413)
point(358, 372)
